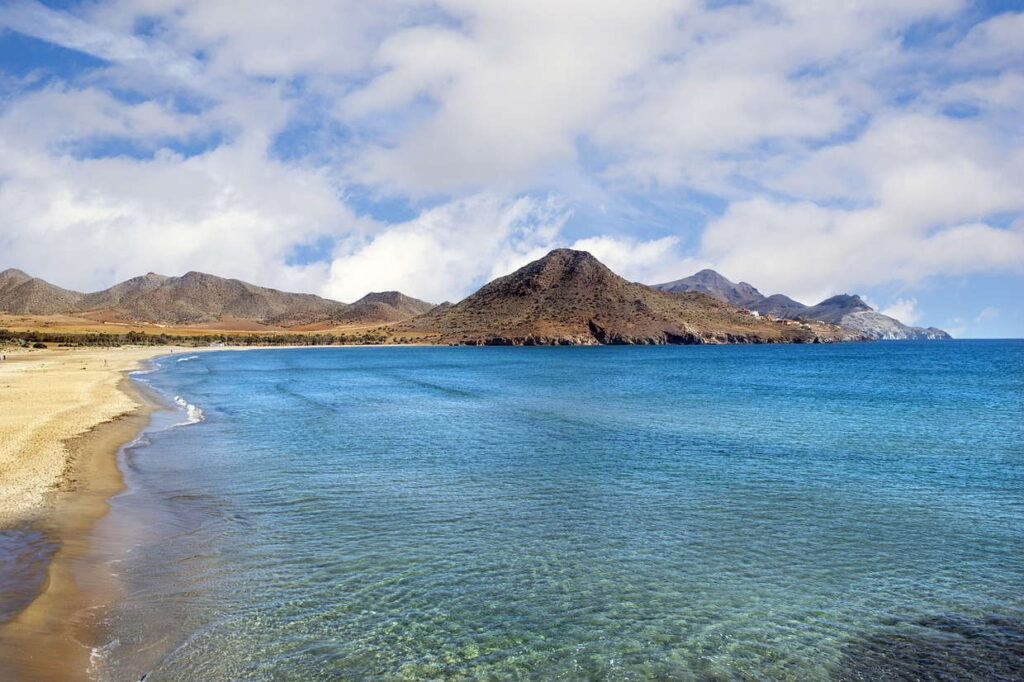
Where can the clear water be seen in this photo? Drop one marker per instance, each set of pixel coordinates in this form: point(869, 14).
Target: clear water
point(693, 513)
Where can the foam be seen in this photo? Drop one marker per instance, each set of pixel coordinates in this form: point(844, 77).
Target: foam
point(193, 414)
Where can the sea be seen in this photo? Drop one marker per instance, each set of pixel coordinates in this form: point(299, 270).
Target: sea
point(776, 512)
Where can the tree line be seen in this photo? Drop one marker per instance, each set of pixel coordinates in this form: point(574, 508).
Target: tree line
point(134, 338)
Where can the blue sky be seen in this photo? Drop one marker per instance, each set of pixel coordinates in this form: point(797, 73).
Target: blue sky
point(341, 146)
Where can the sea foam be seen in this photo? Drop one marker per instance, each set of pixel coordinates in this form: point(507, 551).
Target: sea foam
point(193, 414)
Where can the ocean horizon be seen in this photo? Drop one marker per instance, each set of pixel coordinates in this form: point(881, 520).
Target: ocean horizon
point(834, 512)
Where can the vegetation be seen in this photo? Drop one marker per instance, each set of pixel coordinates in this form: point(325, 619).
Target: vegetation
point(37, 339)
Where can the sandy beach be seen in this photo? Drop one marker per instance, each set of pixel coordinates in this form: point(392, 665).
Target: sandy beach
point(50, 397)
point(63, 416)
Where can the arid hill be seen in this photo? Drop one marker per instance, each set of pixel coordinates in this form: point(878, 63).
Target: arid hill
point(569, 297)
point(715, 285)
point(20, 293)
point(198, 299)
point(383, 307)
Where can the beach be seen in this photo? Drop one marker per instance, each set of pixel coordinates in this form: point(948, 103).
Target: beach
point(65, 413)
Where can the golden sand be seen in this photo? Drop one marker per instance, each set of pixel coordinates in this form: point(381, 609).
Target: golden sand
point(63, 416)
point(48, 398)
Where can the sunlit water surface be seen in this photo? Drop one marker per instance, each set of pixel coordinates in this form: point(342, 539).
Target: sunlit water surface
point(694, 513)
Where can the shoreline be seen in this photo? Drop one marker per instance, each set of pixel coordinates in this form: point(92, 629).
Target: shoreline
point(64, 475)
point(65, 468)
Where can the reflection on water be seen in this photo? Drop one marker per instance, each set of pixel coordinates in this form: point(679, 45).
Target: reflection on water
point(24, 555)
point(784, 513)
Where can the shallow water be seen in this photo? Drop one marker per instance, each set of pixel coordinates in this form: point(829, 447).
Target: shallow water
point(24, 555)
point(725, 513)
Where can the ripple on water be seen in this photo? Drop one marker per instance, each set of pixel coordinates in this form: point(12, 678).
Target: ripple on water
point(938, 648)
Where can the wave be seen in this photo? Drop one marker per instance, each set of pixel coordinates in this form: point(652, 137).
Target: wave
point(191, 357)
point(193, 414)
point(98, 657)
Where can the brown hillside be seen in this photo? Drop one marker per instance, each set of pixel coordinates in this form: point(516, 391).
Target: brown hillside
point(22, 294)
point(383, 307)
point(197, 297)
point(569, 297)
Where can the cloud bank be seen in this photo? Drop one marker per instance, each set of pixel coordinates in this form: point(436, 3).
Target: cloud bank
point(338, 147)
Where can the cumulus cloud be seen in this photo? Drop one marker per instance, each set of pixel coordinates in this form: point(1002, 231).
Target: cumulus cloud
point(511, 86)
point(445, 251)
point(85, 220)
point(904, 310)
point(652, 261)
point(810, 251)
point(827, 151)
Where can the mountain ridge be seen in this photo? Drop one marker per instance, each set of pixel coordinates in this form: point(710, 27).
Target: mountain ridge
point(197, 299)
point(847, 310)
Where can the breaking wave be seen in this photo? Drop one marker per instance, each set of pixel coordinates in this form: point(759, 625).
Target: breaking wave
point(193, 414)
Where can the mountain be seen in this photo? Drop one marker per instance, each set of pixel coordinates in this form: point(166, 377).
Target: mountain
point(836, 308)
point(569, 297)
point(196, 298)
point(123, 293)
point(779, 305)
point(25, 295)
point(10, 278)
point(845, 310)
point(852, 312)
point(714, 284)
point(382, 307)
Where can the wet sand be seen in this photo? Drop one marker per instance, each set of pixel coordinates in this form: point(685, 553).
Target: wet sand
point(64, 416)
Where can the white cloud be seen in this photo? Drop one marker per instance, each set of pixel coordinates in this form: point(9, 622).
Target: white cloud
point(904, 310)
point(650, 262)
point(810, 252)
point(511, 88)
point(445, 251)
point(62, 28)
point(85, 222)
point(822, 139)
point(986, 314)
point(995, 42)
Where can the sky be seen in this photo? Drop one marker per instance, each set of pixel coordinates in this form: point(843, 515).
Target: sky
point(809, 147)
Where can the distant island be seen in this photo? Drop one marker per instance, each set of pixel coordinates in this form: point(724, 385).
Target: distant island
point(565, 298)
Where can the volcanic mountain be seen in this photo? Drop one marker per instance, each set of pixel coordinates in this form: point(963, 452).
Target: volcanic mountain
point(569, 297)
point(199, 299)
point(845, 310)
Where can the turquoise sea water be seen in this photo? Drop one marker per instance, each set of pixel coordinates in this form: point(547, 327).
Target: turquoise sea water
point(851, 512)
